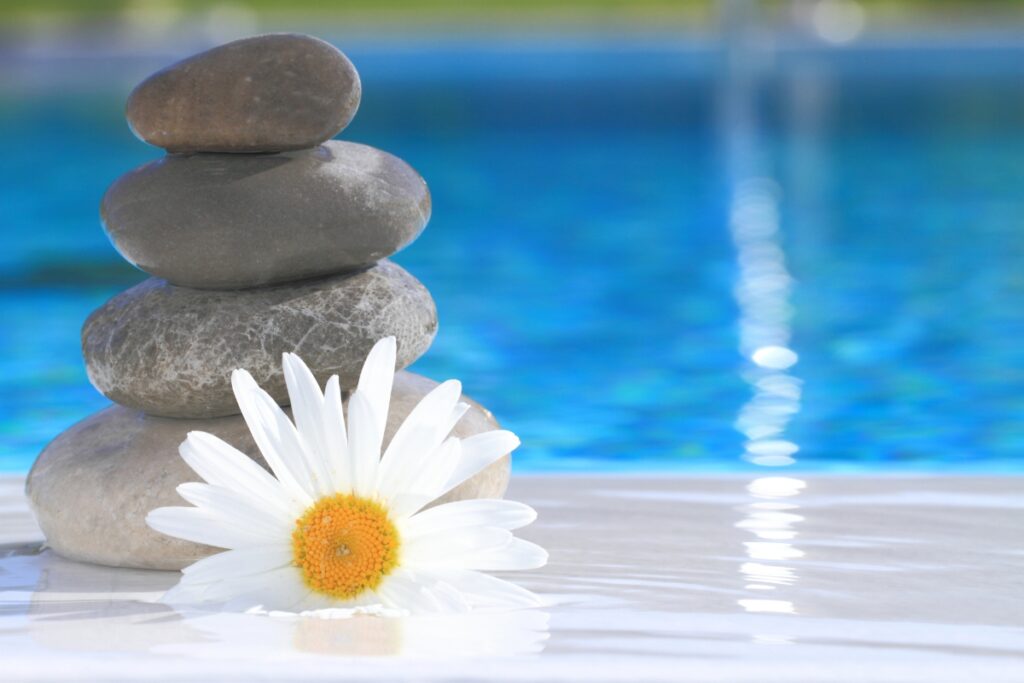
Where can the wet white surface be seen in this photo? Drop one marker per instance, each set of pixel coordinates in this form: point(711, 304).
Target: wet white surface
point(731, 578)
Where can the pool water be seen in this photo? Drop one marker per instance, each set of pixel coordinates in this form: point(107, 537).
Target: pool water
point(581, 254)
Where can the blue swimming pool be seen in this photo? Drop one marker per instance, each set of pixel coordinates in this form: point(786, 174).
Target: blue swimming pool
point(591, 282)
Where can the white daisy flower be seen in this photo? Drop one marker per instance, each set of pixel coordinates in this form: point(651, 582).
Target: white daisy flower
point(338, 524)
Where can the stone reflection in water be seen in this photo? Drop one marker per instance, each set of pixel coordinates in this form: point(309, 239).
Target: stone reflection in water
point(77, 607)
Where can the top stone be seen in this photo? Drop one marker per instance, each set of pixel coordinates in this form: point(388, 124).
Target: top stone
point(269, 93)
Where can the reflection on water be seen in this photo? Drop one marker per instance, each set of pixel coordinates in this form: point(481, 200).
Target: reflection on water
point(776, 606)
point(58, 596)
point(646, 585)
point(457, 636)
point(762, 294)
point(763, 291)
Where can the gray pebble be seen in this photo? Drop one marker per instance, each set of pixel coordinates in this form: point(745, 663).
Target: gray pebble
point(170, 350)
point(263, 94)
point(225, 221)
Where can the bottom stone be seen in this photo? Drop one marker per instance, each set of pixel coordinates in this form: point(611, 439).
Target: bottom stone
point(91, 487)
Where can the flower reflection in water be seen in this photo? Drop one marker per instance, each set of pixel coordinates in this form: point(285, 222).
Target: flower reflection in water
point(77, 607)
point(455, 636)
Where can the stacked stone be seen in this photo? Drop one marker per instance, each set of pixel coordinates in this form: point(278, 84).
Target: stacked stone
point(263, 236)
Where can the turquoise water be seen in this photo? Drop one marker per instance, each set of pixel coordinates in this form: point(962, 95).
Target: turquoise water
point(580, 250)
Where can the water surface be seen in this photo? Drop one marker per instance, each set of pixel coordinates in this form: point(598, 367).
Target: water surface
point(580, 249)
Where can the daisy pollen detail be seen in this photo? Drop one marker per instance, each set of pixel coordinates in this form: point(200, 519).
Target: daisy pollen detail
point(338, 523)
point(345, 545)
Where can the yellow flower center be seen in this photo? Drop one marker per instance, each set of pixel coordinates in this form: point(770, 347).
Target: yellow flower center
point(345, 545)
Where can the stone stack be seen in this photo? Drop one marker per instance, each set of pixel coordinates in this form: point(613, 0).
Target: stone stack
point(263, 236)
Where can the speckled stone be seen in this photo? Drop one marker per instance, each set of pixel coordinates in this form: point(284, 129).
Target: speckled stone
point(225, 221)
point(170, 350)
point(263, 94)
point(92, 486)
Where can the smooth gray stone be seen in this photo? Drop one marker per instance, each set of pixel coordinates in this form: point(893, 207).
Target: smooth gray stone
point(263, 94)
point(92, 486)
point(225, 221)
point(170, 350)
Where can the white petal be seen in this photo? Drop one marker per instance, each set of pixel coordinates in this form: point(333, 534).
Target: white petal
point(401, 591)
point(289, 467)
point(307, 410)
point(223, 465)
point(336, 437)
point(282, 589)
point(315, 601)
point(423, 593)
point(450, 599)
point(304, 464)
point(184, 593)
point(303, 394)
point(448, 547)
point(236, 509)
point(458, 411)
point(427, 481)
point(506, 514)
point(485, 590)
point(420, 433)
point(232, 564)
point(516, 555)
point(375, 381)
point(319, 601)
point(478, 452)
point(367, 597)
point(363, 444)
point(403, 505)
point(193, 524)
point(277, 589)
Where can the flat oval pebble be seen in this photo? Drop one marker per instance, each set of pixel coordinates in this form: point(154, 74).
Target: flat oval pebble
point(92, 486)
point(170, 350)
point(263, 94)
point(225, 221)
